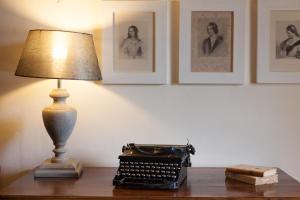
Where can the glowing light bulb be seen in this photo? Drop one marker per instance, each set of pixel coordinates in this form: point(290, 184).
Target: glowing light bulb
point(59, 53)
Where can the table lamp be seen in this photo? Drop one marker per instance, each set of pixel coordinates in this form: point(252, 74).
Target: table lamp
point(59, 55)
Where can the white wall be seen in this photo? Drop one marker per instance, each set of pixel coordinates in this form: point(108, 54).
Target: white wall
point(255, 124)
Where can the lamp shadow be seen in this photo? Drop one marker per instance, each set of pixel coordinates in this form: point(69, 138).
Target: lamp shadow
point(13, 30)
point(9, 130)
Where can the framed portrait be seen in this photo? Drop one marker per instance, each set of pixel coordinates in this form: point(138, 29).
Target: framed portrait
point(278, 59)
point(135, 42)
point(212, 41)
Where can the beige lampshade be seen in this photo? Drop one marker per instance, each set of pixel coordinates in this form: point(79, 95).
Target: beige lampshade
point(60, 55)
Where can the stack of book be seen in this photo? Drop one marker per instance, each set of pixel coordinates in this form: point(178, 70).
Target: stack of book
point(254, 175)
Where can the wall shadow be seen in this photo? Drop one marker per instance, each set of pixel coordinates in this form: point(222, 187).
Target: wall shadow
point(253, 41)
point(9, 129)
point(174, 42)
point(9, 56)
point(13, 30)
point(8, 178)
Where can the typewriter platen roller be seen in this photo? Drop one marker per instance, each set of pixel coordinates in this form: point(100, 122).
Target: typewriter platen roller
point(153, 166)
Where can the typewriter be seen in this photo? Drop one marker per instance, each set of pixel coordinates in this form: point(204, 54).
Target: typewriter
point(153, 166)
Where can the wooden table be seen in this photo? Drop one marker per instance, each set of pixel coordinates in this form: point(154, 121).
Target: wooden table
point(96, 183)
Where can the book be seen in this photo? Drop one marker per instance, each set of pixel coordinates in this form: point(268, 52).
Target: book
point(252, 170)
point(253, 180)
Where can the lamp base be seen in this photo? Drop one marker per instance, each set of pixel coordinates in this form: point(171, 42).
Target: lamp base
point(69, 169)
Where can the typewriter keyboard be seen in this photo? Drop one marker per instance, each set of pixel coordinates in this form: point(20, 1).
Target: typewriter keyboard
point(149, 170)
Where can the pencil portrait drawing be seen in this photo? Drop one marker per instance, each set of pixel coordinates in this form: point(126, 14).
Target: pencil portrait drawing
point(211, 41)
point(290, 46)
point(132, 45)
point(134, 42)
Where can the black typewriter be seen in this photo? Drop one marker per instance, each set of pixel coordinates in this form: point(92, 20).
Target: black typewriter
point(153, 166)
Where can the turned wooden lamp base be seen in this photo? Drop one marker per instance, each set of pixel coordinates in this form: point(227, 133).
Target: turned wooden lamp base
point(69, 169)
point(59, 120)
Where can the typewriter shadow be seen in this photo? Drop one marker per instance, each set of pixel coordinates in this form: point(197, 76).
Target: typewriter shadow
point(182, 191)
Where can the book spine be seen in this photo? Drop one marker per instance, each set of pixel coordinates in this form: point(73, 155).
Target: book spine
point(245, 172)
point(252, 179)
point(241, 178)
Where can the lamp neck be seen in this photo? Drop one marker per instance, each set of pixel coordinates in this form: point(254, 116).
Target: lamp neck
point(59, 83)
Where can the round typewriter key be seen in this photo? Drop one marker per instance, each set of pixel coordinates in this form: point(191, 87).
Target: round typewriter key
point(156, 163)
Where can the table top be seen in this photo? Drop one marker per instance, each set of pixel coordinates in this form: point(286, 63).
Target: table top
point(96, 183)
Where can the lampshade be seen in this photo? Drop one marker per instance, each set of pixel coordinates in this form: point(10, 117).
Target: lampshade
point(60, 55)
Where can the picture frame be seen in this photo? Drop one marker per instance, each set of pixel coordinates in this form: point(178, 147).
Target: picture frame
point(277, 57)
point(135, 42)
point(226, 67)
